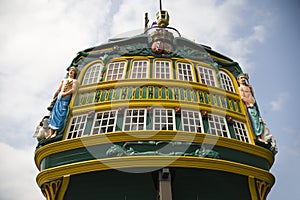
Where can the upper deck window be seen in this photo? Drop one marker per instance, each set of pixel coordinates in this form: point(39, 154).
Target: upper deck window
point(139, 69)
point(206, 76)
point(217, 125)
point(191, 121)
point(77, 126)
point(104, 122)
point(185, 72)
point(115, 71)
point(135, 119)
point(92, 74)
point(163, 119)
point(226, 82)
point(162, 69)
point(240, 131)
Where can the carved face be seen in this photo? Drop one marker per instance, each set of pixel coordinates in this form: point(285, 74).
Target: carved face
point(72, 72)
point(242, 79)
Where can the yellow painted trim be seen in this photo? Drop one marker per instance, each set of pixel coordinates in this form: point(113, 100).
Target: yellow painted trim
point(153, 161)
point(64, 187)
point(167, 104)
point(182, 136)
point(157, 82)
point(252, 188)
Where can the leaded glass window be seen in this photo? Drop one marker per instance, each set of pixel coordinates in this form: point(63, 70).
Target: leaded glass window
point(92, 74)
point(185, 72)
point(162, 69)
point(104, 122)
point(134, 119)
point(240, 131)
point(226, 82)
point(206, 76)
point(115, 71)
point(191, 121)
point(217, 125)
point(163, 119)
point(139, 69)
point(76, 126)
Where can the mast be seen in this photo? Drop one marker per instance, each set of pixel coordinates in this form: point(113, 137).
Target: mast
point(162, 17)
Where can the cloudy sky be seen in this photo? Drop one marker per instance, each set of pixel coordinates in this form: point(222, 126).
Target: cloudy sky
point(39, 38)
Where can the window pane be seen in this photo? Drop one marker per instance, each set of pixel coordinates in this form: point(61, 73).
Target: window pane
point(206, 76)
point(139, 69)
point(134, 119)
point(92, 74)
point(191, 120)
point(162, 69)
point(226, 82)
point(217, 125)
point(77, 126)
point(104, 122)
point(115, 71)
point(163, 119)
point(240, 131)
point(185, 72)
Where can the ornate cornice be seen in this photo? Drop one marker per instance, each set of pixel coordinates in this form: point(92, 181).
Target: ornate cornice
point(182, 136)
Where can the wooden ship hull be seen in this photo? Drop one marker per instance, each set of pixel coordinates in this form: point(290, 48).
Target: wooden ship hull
point(155, 116)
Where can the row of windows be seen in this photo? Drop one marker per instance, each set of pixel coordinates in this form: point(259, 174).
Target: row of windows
point(162, 70)
point(137, 119)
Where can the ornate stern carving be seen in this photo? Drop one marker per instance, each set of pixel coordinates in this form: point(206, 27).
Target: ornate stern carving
point(50, 189)
point(263, 188)
point(161, 148)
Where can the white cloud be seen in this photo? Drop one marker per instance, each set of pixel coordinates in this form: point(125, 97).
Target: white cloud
point(278, 103)
point(18, 174)
point(38, 41)
point(221, 25)
point(130, 16)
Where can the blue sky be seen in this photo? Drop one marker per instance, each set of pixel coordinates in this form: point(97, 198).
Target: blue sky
point(39, 38)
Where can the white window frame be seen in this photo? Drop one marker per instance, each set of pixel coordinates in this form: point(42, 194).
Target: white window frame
point(162, 69)
point(92, 74)
point(185, 71)
point(163, 118)
point(135, 119)
point(240, 131)
point(206, 76)
point(191, 121)
point(139, 69)
point(115, 71)
point(217, 124)
point(226, 82)
point(76, 126)
point(102, 121)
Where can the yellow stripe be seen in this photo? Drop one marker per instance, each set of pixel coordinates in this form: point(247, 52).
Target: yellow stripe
point(182, 136)
point(153, 161)
point(64, 187)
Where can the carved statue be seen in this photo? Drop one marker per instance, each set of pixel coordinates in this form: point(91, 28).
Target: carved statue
point(269, 138)
point(247, 96)
point(42, 130)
